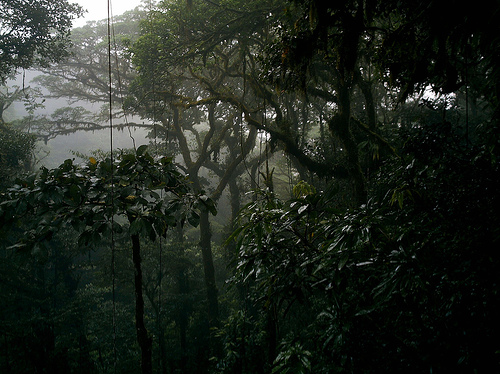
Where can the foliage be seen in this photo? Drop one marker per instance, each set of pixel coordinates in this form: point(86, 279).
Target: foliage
point(134, 196)
point(293, 359)
point(9, 95)
point(243, 338)
point(16, 151)
point(89, 197)
point(393, 285)
point(84, 77)
point(219, 62)
point(34, 33)
point(383, 262)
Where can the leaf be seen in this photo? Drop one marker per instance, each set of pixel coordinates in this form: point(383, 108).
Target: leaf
point(85, 238)
point(234, 235)
point(137, 226)
point(207, 204)
point(343, 260)
point(303, 208)
point(193, 218)
point(74, 192)
point(17, 246)
point(142, 150)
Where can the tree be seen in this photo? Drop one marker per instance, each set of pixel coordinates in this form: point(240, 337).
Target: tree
point(34, 33)
point(7, 98)
point(16, 154)
point(84, 77)
point(43, 318)
point(333, 51)
point(208, 133)
point(244, 41)
point(372, 266)
point(392, 271)
point(92, 198)
point(388, 286)
point(16, 147)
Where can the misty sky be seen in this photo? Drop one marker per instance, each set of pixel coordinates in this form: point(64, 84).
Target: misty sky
point(98, 9)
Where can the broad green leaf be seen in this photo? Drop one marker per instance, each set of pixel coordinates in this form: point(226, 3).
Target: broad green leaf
point(343, 260)
point(142, 150)
point(302, 209)
point(137, 227)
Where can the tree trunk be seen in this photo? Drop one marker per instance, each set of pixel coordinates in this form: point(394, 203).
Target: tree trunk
point(145, 342)
point(235, 201)
point(272, 334)
point(183, 289)
point(366, 89)
point(340, 125)
point(208, 266)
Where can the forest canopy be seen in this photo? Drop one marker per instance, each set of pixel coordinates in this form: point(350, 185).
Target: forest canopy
point(318, 195)
point(34, 33)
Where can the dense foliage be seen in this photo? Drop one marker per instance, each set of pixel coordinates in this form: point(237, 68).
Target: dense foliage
point(16, 150)
point(353, 149)
point(405, 282)
point(102, 203)
point(34, 33)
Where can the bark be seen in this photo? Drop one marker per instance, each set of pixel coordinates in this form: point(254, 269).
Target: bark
point(183, 289)
point(272, 334)
point(366, 89)
point(235, 201)
point(144, 340)
point(340, 125)
point(193, 168)
point(234, 195)
point(208, 266)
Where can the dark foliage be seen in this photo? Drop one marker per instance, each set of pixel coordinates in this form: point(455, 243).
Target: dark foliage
point(34, 33)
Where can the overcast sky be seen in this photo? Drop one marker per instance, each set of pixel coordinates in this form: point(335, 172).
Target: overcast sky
point(98, 9)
